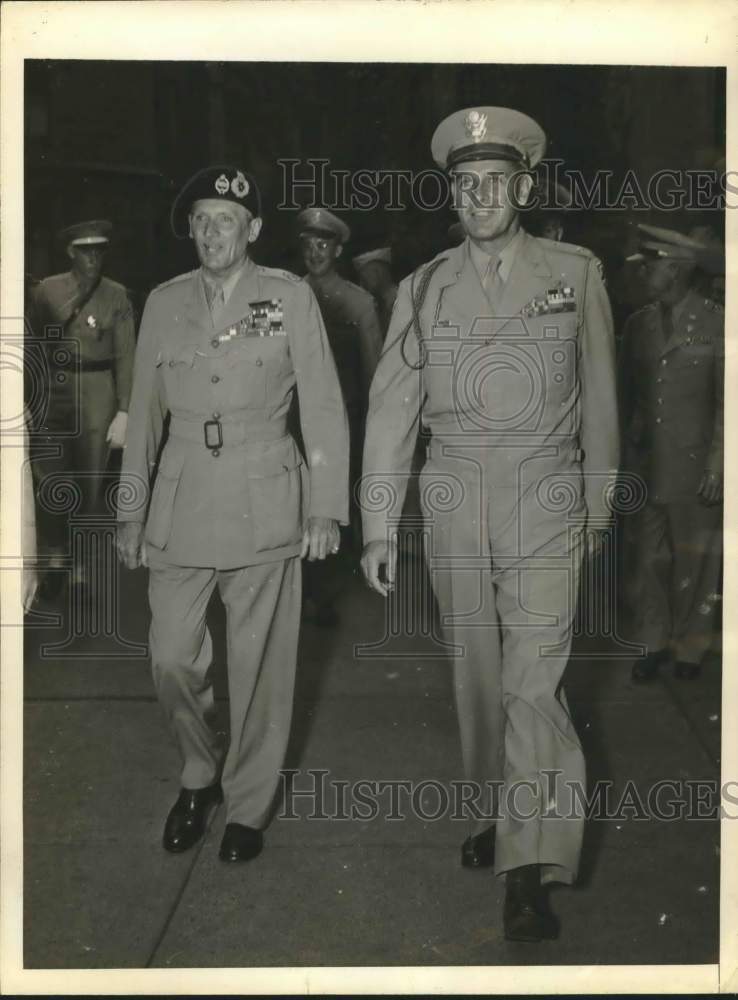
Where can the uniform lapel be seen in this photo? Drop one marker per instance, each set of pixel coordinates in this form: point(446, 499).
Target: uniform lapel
point(530, 274)
point(684, 325)
point(463, 298)
point(196, 307)
point(246, 291)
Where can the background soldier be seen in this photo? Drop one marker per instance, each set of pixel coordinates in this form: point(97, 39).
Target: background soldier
point(222, 350)
point(355, 337)
point(89, 387)
point(506, 343)
point(374, 270)
point(671, 387)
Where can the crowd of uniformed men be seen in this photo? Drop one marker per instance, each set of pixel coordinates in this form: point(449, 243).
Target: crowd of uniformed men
point(501, 352)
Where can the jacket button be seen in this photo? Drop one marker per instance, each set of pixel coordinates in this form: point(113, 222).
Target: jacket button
point(215, 453)
point(659, 380)
point(658, 420)
point(216, 416)
point(215, 379)
point(663, 361)
point(214, 342)
point(659, 401)
point(258, 362)
point(171, 364)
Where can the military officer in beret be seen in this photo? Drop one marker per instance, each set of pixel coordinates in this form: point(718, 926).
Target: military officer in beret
point(89, 387)
point(229, 501)
point(671, 385)
point(355, 337)
point(504, 347)
point(374, 270)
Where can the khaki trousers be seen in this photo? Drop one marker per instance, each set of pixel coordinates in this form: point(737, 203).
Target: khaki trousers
point(263, 617)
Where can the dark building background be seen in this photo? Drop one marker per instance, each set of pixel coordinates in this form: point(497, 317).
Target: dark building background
point(116, 139)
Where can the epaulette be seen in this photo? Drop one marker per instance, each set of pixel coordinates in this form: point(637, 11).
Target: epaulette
point(714, 306)
point(277, 272)
point(568, 248)
point(173, 281)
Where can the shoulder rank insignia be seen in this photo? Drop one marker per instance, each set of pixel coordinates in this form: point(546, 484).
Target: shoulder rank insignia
point(556, 300)
point(266, 319)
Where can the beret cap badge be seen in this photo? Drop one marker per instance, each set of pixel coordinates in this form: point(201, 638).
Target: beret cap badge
point(239, 185)
point(475, 124)
point(221, 184)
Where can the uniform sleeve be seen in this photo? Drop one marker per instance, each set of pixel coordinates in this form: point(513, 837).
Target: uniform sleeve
point(599, 429)
point(395, 399)
point(124, 342)
point(322, 413)
point(370, 342)
point(625, 379)
point(715, 455)
point(145, 421)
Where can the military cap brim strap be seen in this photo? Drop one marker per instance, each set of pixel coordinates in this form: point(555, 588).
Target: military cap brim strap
point(486, 151)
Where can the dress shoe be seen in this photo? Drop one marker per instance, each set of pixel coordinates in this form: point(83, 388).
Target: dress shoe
point(479, 851)
point(526, 916)
point(186, 821)
point(240, 843)
point(647, 669)
point(685, 671)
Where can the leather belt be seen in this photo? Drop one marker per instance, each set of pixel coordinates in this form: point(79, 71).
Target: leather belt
point(86, 365)
point(217, 433)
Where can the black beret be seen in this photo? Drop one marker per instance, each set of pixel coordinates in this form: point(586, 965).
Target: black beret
point(222, 182)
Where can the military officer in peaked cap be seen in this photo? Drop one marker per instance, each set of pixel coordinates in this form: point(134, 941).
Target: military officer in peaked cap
point(89, 386)
point(671, 385)
point(229, 501)
point(355, 337)
point(504, 346)
point(374, 270)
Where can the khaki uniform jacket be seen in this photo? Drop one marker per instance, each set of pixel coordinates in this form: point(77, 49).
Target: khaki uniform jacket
point(248, 501)
point(531, 391)
point(672, 398)
point(104, 329)
point(352, 324)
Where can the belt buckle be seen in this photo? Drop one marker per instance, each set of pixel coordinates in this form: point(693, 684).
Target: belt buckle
point(219, 428)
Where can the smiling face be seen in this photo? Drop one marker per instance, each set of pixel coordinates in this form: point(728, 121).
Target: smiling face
point(222, 231)
point(319, 253)
point(87, 260)
point(488, 195)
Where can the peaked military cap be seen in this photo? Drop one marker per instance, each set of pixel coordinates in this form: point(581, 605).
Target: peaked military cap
point(488, 134)
point(97, 231)
point(656, 242)
point(222, 182)
point(383, 255)
point(321, 222)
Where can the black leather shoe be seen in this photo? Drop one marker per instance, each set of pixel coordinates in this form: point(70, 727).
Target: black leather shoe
point(647, 669)
point(188, 817)
point(684, 671)
point(526, 916)
point(479, 851)
point(240, 843)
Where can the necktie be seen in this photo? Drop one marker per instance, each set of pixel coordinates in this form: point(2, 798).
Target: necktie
point(493, 283)
point(217, 301)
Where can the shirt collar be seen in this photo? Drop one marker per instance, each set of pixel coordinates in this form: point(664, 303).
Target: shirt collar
point(480, 258)
point(230, 282)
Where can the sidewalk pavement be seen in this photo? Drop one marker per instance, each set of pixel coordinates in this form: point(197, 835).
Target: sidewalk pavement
point(101, 775)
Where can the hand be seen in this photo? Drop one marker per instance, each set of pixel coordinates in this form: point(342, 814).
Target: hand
point(711, 487)
point(376, 555)
point(130, 544)
point(117, 431)
point(321, 538)
point(30, 586)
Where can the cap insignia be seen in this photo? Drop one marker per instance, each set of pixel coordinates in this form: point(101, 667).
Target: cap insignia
point(475, 124)
point(239, 185)
point(221, 184)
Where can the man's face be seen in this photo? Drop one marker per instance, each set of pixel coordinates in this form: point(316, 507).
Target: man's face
point(659, 275)
point(319, 253)
point(488, 195)
point(87, 260)
point(222, 231)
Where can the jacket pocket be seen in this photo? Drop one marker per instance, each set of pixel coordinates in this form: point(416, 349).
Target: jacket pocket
point(276, 491)
point(161, 508)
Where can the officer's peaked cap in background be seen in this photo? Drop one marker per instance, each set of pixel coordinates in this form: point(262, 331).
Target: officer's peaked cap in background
point(221, 182)
point(95, 232)
point(488, 134)
point(658, 243)
point(321, 222)
point(382, 255)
